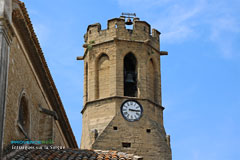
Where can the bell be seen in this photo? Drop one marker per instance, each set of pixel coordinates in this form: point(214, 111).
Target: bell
point(129, 22)
point(129, 78)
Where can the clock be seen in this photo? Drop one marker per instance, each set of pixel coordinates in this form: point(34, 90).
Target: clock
point(131, 110)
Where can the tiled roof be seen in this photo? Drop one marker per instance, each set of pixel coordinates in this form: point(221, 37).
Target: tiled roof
point(64, 154)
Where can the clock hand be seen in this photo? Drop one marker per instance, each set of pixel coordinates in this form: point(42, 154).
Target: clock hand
point(134, 110)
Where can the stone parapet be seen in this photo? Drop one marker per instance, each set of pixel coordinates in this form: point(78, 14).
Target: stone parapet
point(116, 28)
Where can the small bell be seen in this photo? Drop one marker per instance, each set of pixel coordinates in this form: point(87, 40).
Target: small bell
point(129, 78)
point(129, 21)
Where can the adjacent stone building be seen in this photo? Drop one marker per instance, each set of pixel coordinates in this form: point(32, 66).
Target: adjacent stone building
point(30, 104)
point(122, 90)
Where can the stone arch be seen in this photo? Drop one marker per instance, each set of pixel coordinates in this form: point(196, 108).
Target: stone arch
point(24, 115)
point(130, 75)
point(135, 55)
point(152, 86)
point(103, 76)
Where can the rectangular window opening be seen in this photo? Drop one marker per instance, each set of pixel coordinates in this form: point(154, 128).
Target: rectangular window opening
point(126, 145)
point(148, 130)
point(115, 128)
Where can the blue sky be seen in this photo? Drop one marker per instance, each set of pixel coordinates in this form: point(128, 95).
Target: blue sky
point(200, 76)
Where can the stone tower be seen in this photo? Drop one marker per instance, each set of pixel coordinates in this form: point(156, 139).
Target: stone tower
point(122, 90)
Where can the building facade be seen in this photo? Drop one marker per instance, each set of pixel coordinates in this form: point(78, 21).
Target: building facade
point(31, 108)
point(122, 90)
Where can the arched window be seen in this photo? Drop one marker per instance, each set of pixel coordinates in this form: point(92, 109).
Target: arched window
point(130, 75)
point(23, 116)
point(103, 82)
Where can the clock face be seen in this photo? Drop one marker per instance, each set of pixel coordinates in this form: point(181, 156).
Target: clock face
point(131, 110)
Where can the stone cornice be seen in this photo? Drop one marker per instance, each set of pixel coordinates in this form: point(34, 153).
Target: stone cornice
point(120, 97)
point(146, 42)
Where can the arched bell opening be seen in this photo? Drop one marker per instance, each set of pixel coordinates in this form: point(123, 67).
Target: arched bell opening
point(130, 75)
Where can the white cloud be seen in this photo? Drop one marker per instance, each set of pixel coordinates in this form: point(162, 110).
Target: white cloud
point(222, 31)
point(178, 25)
point(181, 21)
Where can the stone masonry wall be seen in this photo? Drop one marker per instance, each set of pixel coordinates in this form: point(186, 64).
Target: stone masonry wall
point(96, 118)
point(151, 145)
point(22, 78)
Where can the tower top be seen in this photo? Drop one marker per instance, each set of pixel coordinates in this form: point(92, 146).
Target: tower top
point(116, 29)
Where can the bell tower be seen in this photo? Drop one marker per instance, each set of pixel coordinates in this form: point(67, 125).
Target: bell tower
point(122, 90)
